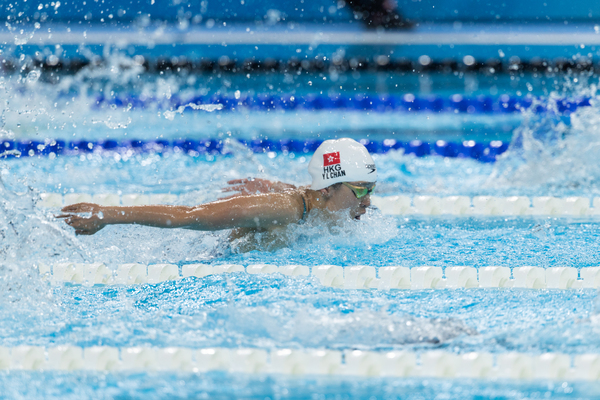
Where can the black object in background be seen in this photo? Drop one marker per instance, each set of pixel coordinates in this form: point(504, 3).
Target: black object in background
point(379, 14)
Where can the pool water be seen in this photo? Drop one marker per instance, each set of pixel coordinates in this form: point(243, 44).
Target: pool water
point(551, 154)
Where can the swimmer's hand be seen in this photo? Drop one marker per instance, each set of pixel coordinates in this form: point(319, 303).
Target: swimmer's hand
point(86, 218)
point(250, 186)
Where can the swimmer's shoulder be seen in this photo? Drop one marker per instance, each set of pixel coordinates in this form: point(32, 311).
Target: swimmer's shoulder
point(299, 199)
point(302, 198)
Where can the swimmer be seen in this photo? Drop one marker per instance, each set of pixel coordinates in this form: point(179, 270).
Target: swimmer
point(343, 178)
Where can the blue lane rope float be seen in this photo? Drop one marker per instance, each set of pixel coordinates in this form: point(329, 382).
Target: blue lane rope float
point(408, 102)
point(484, 152)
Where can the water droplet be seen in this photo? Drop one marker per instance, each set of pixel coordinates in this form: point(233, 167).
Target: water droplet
point(33, 76)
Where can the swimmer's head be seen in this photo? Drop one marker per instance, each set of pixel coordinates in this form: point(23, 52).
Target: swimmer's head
point(341, 160)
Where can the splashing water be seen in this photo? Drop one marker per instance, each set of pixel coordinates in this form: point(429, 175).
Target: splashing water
point(28, 235)
point(33, 76)
point(73, 106)
point(555, 152)
point(274, 311)
point(289, 324)
point(170, 115)
point(323, 235)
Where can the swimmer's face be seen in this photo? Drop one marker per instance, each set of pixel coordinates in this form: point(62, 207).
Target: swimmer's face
point(341, 197)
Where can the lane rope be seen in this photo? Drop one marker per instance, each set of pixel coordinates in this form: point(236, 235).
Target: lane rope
point(462, 206)
point(439, 364)
point(349, 277)
point(379, 63)
point(484, 152)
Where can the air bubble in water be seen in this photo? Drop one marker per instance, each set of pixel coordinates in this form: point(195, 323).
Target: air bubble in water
point(33, 76)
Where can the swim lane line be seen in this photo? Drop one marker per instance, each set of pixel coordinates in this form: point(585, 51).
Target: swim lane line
point(302, 362)
point(335, 276)
point(464, 206)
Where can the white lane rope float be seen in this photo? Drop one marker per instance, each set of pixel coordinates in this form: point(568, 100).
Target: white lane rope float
point(393, 205)
point(302, 362)
point(350, 277)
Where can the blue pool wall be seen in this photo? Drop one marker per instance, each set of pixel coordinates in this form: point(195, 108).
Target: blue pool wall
point(314, 11)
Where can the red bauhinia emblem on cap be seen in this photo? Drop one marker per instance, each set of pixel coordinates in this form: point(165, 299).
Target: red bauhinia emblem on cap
point(331, 158)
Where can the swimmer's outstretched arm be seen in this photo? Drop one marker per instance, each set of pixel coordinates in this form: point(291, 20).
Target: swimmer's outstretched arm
point(258, 211)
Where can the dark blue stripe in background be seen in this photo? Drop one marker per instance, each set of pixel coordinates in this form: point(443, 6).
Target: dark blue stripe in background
point(485, 152)
point(408, 103)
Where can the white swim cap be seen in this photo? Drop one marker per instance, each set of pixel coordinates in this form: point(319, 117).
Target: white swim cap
point(341, 160)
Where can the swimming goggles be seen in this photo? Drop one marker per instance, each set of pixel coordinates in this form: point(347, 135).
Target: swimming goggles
point(360, 191)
